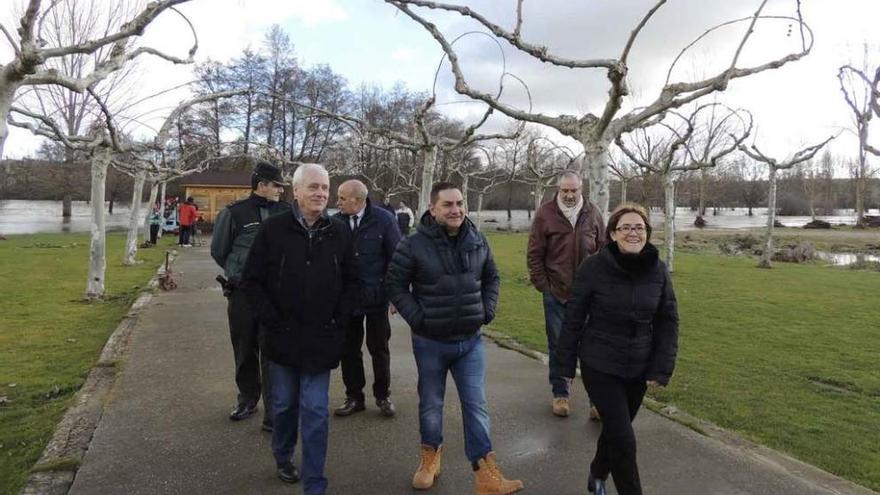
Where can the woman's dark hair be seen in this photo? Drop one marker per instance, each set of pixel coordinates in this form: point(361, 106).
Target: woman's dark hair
point(622, 210)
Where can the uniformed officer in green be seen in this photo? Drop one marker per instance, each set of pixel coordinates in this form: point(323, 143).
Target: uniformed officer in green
point(234, 231)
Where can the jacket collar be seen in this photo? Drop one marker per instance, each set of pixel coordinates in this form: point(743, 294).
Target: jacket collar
point(467, 235)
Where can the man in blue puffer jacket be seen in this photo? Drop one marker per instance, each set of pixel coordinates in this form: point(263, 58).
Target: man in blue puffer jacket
point(444, 283)
point(375, 236)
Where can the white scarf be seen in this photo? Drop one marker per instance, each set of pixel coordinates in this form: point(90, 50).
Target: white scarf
point(571, 213)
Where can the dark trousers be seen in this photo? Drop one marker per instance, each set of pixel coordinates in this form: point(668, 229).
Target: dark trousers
point(244, 331)
point(154, 233)
point(618, 400)
point(378, 332)
point(185, 231)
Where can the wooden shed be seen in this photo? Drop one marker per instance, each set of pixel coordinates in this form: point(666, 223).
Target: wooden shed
point(213, 190)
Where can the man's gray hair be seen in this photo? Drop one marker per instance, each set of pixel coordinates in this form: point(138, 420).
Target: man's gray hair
point(301, 170)
point(569, 174)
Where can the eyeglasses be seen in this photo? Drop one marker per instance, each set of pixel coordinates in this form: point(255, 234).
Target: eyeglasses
point(626, 229)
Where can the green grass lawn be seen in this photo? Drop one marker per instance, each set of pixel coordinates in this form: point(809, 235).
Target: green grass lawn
point(49, 337)
point(788, 357)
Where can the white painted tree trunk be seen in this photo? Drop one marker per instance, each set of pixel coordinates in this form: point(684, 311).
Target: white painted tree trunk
point(98, 244)
point(623, 184)
point(596, 163)
point(430, 161)
point(767, 255)
point(704, 178)
point(465, 178)
point(861, 183)
point(7, 92)
point(539, 194)
point(669, 225)
point(480, 212)
point(134, 220)
point(154, 192)
point(161, 209)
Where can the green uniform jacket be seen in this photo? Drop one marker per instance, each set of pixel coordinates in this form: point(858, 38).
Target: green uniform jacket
point(235, 229)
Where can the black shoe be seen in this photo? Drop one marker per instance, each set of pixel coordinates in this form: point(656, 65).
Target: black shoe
point(243, 411)
point(350, 406)
point(288, 473)
point(596, 485)
point(386, 407)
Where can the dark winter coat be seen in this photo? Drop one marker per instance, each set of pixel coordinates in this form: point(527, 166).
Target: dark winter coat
point(622, 317)
point(374, 240)
point(302, 284)
point(445, 288)
point(235, 229)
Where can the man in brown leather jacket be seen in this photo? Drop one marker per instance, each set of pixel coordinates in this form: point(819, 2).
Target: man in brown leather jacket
point(566, 230)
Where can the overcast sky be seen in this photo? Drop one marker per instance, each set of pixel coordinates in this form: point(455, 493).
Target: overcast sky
point(368, 41)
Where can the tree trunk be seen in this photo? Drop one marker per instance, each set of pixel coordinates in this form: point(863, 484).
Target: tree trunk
point(704, 177)
point(465, 178)
point(134, 220)
point(67, 205)
point(860, 187)
point(428, 164)
point(767, 255)
point(161, 209)
point(669, 224)
point(98, 244)
point(623, 184)
point(539, 193)
point(596, 163)
point(154, 193)
point(480, 212)
point(6, 95)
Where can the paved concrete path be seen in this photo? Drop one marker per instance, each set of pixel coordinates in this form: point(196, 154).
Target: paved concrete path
point(165, 429)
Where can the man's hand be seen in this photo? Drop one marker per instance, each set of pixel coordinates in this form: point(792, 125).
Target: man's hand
point(392, 309)
point(653, 385)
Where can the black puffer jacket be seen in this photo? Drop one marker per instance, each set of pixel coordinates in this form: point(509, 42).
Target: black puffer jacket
point(454, 281)
point(631, 317)
point(303, 286)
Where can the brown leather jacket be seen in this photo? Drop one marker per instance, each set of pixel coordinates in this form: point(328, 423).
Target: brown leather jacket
point(556, 249)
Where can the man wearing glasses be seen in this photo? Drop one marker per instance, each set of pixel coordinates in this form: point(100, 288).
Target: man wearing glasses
point(566, 230)
point(234, 232)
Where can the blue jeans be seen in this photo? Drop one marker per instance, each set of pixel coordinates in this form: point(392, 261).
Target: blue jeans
point(554, 313)
point(466, 360)
point(298, 395)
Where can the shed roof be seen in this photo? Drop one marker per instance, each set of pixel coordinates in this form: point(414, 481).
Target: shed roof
point(218, 179)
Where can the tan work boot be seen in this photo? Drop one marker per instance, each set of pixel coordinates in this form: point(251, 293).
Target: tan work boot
point(489, 480)
point(429, 468)
point(561, 407)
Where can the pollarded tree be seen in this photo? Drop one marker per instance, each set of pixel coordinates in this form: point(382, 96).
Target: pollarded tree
point(597, 132)
point(696, 142)
point(33, 53)
point(774, 166)
point(861, 93)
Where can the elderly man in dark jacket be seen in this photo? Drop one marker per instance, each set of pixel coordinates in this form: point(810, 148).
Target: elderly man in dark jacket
point(444, 283)
point(565, 231)
point(234, 232)
point(375, 237)
point(301, 279)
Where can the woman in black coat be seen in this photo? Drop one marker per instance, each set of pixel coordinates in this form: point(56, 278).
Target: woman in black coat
point(622, 322)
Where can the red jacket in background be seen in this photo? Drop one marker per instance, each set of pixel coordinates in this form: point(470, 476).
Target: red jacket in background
point(187, 214)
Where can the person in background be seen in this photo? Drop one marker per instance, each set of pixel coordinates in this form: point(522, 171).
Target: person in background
point(375, 237)
point(621, 322)
point(187, 215)
point(405, 218)
point(156, 221)
point(235, 228)
point(565, 231)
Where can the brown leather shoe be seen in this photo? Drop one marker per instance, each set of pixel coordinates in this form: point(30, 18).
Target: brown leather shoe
point(429, 467)
point(561, 406)
point(349, 407)
point(488, 479)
